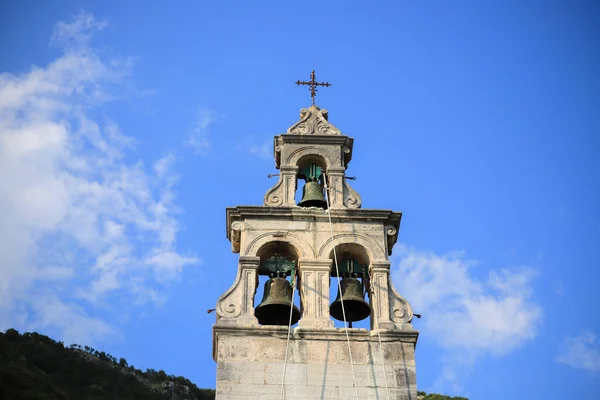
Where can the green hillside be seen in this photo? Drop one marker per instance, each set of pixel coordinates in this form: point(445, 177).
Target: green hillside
point(35, 367)
point(434, 396)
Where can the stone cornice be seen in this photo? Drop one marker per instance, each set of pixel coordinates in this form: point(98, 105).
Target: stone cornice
point(337, 334)
point(387, 217)
point(316, 139)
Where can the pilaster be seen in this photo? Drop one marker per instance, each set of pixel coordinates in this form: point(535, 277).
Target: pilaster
point(380, 302)
point(335, 181)
point(288, 175)
point(314, 293)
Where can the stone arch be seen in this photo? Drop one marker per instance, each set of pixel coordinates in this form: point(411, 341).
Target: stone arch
point(302, 248)
point(278, 247)
point(306, 159)
point(374, 251)
point(311, 151)
point(356, 251)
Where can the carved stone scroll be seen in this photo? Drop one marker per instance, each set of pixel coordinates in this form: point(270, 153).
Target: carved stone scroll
point(390, 309)
point(236, 305)
point(313, 121)
point(401, 311)
point(236, 235)
point(392, 235)
point(274, 196)
point(283, 193)
point(351, 197)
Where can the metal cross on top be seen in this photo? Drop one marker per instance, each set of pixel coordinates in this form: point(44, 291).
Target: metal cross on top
point(313, 85)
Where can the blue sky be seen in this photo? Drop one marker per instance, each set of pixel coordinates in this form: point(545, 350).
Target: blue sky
point(126, 128)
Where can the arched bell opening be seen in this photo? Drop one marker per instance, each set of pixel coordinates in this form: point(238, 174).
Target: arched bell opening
point(311, 170)
point(352, 303)
point(277, 270)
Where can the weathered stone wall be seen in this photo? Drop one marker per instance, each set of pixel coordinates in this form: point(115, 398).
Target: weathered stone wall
point(250, 364)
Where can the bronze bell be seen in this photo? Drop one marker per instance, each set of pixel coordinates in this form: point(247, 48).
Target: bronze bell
point(355, 305)
point(312, 195)
point(274, 309)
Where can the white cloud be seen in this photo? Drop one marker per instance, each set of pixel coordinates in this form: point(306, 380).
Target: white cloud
point(581, 352)
point(69, 318)
point(77, 32)
point(162, 166)
point(198, 137)
point(468, 317)
point(261, 150)
point(79, 220)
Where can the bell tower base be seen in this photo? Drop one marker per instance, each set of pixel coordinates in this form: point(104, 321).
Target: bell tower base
point(251, 362)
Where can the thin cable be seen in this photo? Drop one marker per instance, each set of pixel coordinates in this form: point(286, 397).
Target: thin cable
point(387, 390)
point(337, 271)
point(287, 343)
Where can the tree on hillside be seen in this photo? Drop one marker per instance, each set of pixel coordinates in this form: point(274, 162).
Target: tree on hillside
point(35, 367)
point(434, 396)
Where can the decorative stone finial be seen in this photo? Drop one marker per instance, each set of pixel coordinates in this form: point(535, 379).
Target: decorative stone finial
point(313, 121)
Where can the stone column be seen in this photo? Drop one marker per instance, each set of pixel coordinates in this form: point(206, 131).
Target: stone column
point(335, 180)
point(236, 306)
point(380, 296)
point(314, 293)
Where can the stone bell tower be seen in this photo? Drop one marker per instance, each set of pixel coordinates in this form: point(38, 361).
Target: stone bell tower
point(305, 249)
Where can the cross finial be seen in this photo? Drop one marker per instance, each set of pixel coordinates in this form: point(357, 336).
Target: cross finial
point(313, 85)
